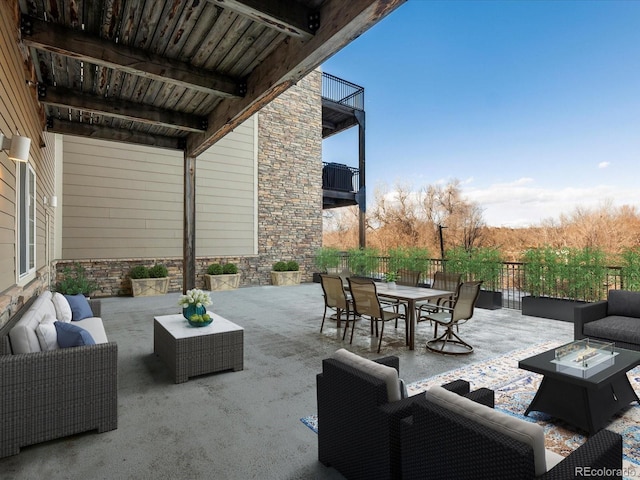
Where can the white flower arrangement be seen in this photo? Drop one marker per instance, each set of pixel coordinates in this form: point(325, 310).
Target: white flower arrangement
point(196, 297)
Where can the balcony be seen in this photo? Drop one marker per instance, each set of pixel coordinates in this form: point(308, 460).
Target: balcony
point(342, 108)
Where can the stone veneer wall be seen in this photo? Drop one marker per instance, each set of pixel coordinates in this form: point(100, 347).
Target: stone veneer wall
point(290, 177)
point(289, 200)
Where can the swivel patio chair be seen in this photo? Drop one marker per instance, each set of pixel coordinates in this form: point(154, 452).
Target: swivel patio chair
point(366, 303)
point(335, 298)
point(441, 281)
point(450, 317)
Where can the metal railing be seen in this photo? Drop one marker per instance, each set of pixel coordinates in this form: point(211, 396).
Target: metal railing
point(342, 92)
point(511, 280)
point(340, 177)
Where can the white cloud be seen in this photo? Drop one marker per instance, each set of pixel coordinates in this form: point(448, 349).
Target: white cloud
point(521, 203)
point(604, 164)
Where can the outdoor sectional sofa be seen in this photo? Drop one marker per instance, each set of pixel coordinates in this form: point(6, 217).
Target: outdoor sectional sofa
point(59, 392)
point(616, 319)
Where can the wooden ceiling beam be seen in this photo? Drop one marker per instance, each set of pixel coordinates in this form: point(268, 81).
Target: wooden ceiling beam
point(79, 45)
point(342, 22)
point(65, 127)
point(122, 109)
point(290, 18)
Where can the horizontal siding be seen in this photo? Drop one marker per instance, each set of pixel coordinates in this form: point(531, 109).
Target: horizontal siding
point(126, 201)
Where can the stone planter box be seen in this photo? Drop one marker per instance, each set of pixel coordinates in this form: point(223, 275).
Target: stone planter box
point(226, 281)
point(286, 278)
point(547, 307)
point(489, 300)
point(146, 287)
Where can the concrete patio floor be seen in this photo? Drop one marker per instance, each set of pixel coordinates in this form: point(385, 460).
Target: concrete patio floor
point(244, 425)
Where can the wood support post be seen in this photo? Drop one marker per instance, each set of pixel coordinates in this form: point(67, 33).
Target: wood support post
point(189, 225)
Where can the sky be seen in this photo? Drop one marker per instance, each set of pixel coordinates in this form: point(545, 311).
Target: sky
point(534, 106)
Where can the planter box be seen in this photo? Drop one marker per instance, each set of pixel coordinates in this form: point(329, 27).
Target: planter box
point(286, 278)
point(226, 281)
point(316, 277)
point(146, 287)
point(489, 300)
point(547, 307)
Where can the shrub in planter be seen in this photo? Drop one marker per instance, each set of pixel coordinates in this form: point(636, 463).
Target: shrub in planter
point(149, 281)
point(215, 269)
point(364, 261)
point(222, 277)
point(630, 268)
point(229, 269)
point(74, 281)
point(286, 273)
point(158, 271)
point(327, 258)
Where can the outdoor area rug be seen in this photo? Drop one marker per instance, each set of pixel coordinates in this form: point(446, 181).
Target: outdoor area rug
point(515, 388)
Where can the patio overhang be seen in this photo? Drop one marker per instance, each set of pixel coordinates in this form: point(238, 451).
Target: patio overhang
point(178, 75)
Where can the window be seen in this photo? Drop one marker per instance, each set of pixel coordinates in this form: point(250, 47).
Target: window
point(26, 219)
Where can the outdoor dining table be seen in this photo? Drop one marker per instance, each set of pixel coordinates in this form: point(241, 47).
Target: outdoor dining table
point(411, 295)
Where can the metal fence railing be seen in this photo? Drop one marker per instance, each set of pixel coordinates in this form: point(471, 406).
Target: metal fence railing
point(342, 92)
point(511, 280)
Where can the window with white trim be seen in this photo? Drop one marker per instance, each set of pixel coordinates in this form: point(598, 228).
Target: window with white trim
point(26, 219)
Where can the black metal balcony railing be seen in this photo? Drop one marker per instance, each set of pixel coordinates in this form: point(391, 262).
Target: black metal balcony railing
point(336, 176)
point(511, 282)
point(342, 92)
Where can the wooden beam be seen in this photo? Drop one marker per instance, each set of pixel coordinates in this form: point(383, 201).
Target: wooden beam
point(189, 225)
point(290, 18)
point(117, 135)
point(342, 22)
point(123, 109)
point(81, 46)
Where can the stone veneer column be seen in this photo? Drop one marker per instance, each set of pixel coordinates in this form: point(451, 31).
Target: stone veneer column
point(290, 177)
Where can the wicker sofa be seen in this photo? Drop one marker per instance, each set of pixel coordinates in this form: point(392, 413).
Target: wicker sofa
point(55, 393)
point(446, 436)
point(359, 414)
point(616, 319)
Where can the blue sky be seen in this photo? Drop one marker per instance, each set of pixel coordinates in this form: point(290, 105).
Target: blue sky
point(533, 105)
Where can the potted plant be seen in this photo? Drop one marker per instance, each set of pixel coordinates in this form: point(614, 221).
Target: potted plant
point(222, 277)
point(390, 278)
point(149, 281)
point(558, 280)
point(286, 273)
point(364, 262)
point(482, 263)
point(327, 260)
point(74, 281)
point(411, 259)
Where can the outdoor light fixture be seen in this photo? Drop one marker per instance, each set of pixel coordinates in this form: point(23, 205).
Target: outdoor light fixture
point(18, 147)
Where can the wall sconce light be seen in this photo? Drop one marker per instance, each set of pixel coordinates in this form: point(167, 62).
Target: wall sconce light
point(18, 147)
point(51, 201)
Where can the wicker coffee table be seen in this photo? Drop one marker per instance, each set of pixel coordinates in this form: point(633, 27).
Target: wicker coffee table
point(189, 351)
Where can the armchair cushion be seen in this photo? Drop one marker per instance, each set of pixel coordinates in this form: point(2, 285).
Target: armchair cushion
point(387, 374)
point(529, 433)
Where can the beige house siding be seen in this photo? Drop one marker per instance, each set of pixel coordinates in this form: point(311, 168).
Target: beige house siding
point(126, 201)
point(19, 112)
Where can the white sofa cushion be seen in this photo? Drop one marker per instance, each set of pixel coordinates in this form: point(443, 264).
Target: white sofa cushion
point(383, 372)
point(63, 309)
point(23, 334)
point(47, 335)
point(94, 326)
point(526, 432)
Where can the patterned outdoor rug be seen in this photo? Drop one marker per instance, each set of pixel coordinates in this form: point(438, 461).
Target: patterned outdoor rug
point(515, 388)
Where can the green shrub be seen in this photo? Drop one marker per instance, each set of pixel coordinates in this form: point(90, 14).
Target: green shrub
point(74, 281)
point(280, 266)
point(158, 271)
point(630, 271)
point(327, 257)
point(292, 266)
point(215, 269)
point(230, 269)
point(139, 271)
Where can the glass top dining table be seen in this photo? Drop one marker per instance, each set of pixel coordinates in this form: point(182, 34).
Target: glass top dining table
point(411, 295)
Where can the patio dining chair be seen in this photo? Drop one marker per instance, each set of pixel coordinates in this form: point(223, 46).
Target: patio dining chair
point(366, 303)
point(408, 278)
point(460, 312)
point(441, 281)
point(335, 298)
